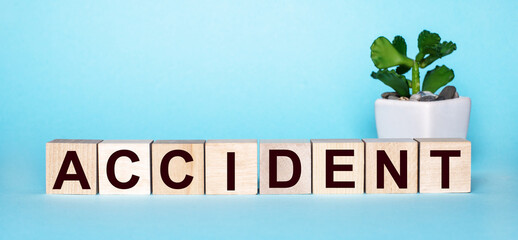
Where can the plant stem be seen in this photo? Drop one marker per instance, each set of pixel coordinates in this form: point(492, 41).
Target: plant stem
point(415, 78)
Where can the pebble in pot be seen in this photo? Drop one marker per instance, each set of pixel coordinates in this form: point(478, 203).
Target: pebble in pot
point(386, 95)
point(424, 96)
point(428, 96)
point(448, 92)
point(416, 97)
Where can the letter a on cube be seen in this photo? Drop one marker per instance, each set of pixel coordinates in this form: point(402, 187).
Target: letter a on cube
point(71, 166)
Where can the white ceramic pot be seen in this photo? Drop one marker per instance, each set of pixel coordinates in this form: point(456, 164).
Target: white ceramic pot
point(412, 119)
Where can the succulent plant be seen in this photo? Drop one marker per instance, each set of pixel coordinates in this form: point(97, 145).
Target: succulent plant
point(386, 54)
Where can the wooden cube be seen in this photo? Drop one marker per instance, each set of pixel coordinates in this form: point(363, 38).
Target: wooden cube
point(71, 166)
point(285, 167)
point(231, 166)
point(178, 166)
point(338, 166)
point(125, 167)
point(444, 165)
point(390, 165)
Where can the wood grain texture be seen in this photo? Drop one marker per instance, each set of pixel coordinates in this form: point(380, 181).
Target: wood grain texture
point(357, 175)
point(178, 168)
point(392, 148)
point(124, 168)
point(245, 166)
point(285, 166)
point(430, 167)
point(86, 151)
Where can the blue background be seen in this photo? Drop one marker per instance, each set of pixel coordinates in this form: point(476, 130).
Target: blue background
point(243, 69)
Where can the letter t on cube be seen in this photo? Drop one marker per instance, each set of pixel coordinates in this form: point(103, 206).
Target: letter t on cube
point(444, 165)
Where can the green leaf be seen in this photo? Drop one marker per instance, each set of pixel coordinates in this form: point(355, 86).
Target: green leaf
point(445, 48)
point(390, 78)
point(427, 41)
point(400, 45)
point(437, 78)
point(402, 69)
point(439, 51)
point(385, 55)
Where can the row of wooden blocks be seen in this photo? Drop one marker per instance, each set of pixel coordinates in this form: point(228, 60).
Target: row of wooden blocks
point(319, 166)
